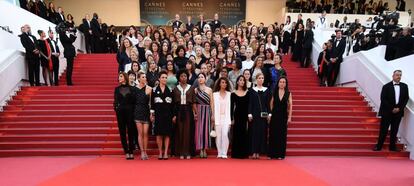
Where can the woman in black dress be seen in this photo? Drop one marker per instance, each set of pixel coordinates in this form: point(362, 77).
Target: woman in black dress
point(162, 109)
point(239, 111)
point(298, 43)
point(259, 117)
point(142, 112)
point(124, 104)
point(281, 106)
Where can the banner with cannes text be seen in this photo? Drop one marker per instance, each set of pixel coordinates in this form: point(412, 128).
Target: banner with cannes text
point(162, 12)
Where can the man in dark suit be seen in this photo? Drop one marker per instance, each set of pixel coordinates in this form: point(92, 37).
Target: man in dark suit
point(394, 98)
point(177, 22)
point(60, 17)
point(262, 30)
point(29, 43)
point(189, 25)
point(307, 46)
point(400, 5)
point(54, 48)
point(42, 9)
point(96, 34)
point(201, 23)
point(69, 52)
point(86, 28)
point(300, 20)
point(338, 49)
point(216, 23)
point(403, 44)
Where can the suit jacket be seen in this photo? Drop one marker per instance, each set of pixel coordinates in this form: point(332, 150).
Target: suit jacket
point(401, 7)
point(42, 9)
point(262, 31)
point(85, 27)
point(29, 45)
point(54, 50)
point(67, 41)
point(60, 18)
point(200, 25)
point(297, 23)
point(403, 46)
point(338, 49)
point(308, 39)
point(96, 28)
point(215, 24)
point(189, 27)
point(388, 99)
point(176, 24)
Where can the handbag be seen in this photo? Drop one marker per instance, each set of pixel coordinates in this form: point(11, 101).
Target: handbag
point(213, 134)
point(262, 114)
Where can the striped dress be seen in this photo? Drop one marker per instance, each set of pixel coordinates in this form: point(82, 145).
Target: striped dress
point(203, 124)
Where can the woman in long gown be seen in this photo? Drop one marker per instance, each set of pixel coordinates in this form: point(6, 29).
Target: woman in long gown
point(162, 109)
point(259, 117)
point(281, 106)
point(239, 109)
point(184, 99)
point(298, 43)
point(203, 122)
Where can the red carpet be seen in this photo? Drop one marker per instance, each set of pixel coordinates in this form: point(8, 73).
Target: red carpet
point(78, 120)
point(184, 172)
point(114, 170)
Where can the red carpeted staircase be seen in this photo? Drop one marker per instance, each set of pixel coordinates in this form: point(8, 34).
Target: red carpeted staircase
point(79, 120)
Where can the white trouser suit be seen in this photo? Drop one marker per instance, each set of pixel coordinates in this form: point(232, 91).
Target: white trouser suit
point(222, 122)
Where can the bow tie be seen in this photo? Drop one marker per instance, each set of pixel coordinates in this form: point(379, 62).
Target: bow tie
point(396, 84)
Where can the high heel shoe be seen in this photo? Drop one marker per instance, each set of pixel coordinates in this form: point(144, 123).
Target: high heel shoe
point(165, 157)
point(160, 157)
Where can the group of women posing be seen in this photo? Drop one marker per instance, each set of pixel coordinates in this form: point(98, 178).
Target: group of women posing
point(186, 118)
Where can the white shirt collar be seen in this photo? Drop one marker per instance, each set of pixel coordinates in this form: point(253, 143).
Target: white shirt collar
point(261, 89)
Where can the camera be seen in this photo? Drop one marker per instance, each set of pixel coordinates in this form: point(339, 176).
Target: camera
point(62, 28)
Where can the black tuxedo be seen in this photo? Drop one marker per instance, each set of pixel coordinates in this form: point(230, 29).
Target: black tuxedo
point(96, 36)
point(30, 44)
point(388, 103)
point(176, 24)
point(215, 24)
point(42, 9)
point(338, 50)
point(200, 25)
point(262, 31)
point(297, 23)
point(403, 46)
point(60, 18)
point(69, 54)
point(307, 48)
point(400, 6)
point(189, 26)
point(55, 60)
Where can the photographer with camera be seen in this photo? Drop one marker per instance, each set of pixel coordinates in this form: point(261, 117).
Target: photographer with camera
point(359, 38)
point(402, 42)
point(67, 37)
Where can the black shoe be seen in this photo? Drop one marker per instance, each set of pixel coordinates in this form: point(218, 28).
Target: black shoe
point(395, 149)
point(376, 148)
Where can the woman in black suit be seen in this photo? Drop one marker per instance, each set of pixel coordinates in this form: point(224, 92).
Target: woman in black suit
point(124, 105)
